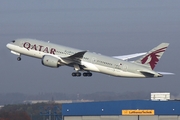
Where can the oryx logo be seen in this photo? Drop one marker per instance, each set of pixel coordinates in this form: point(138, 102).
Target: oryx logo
point(153, 58)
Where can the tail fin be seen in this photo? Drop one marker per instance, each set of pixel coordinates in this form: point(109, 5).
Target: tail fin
point(153, 56)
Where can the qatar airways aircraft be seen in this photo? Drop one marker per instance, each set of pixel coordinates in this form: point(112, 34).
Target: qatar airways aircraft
point(53, 55)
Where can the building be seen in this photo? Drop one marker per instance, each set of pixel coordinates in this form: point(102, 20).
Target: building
point(46, 101)
point(122, 110)
point(54, 101)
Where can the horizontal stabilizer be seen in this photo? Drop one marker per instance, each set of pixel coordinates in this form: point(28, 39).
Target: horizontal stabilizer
point(147, 74)
point(151, 74)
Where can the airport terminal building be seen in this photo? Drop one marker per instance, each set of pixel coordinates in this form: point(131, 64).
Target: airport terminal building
point(122, 110)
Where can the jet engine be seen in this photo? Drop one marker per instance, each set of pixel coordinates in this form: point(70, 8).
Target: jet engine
point(51, 61)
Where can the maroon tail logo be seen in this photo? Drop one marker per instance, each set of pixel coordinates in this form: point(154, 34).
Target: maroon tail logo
point(153, 58)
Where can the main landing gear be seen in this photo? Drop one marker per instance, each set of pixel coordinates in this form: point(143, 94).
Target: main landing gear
point(78, 74)
point(88, 74)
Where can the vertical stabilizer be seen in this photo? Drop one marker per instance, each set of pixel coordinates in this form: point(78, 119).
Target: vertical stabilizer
point(153, 56)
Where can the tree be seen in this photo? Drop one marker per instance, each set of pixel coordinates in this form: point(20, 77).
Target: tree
point(16, 115)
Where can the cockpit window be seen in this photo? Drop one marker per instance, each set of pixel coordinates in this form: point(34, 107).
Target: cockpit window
point(13, 41)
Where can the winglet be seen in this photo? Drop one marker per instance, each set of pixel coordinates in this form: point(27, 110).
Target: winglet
point(153, 56)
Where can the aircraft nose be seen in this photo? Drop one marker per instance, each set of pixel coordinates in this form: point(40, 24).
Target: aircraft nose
point(8, 45)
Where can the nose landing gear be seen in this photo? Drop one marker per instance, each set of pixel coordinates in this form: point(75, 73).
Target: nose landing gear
point(19, 58)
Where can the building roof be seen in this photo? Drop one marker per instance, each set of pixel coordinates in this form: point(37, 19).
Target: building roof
point(116, 107)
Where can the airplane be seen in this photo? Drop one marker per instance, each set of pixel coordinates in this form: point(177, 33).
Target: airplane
point(53, 55)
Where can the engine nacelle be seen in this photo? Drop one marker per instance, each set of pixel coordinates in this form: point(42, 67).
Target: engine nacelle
point(51, 61)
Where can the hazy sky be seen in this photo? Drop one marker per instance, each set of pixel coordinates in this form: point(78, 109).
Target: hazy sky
point(109, 27)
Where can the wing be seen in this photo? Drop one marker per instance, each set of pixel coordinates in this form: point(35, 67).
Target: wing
point(126, 57)
point(75, 58)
